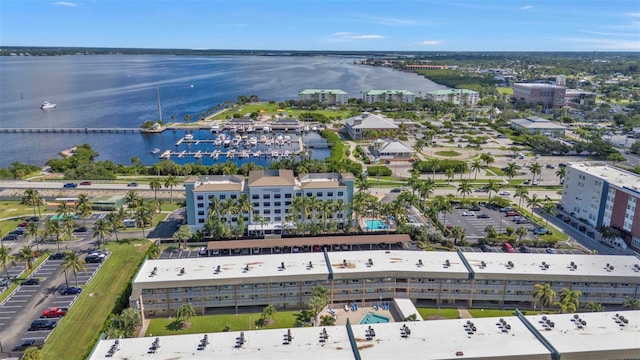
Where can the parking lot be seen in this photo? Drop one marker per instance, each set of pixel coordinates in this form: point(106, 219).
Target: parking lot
point(26, 304)
point(532, 250)
point(474, 226)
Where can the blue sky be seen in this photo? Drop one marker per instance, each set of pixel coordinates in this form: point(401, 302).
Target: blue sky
point(401, 25)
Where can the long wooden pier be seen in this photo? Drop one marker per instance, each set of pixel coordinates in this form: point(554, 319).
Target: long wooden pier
point(70, 130)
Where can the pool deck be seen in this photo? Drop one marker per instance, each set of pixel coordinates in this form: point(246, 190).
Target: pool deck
point(356, 316)
point(364, 227)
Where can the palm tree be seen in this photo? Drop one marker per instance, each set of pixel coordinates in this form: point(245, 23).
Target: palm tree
point(143, 215)
point(510, 171)
point(301, 208)
point(442, 205)
point(52, 227)
point(75, 263)
point(535, 169)
point(26, 255)
point(491, 231)
point(83, 207)
point(548, 208)
point(569, 300)
point(114, 222)
point(458, 233)
point(594, 306)
point(185, 312)
point(5, 259)
point(561, 173)
point(101, 229)
point(545, 294)
point(426, 187)
point(170, 182)
point(449, 172)
point(522, 193)
point(631, 303)
point(414, 181)
point(492, 185)
point(268, 312)
point(521, 231)
point(245, 206)
point(135, 163)
point(155, 184)
point(63, 211)
point(465, 188)
point(534, 201)
point(32, 198)
point(435, 166)
point(132, 199)
point(476, 166)
point(33, 232)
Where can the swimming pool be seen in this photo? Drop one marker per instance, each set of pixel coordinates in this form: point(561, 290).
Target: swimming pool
point(376, 224)
point(372, 318)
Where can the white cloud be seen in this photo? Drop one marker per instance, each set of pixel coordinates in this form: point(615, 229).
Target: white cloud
point(526, 7)
point(352, 36)
point(637, 15)
point(65, 3)
point(431, 42)
point(605, 44)
point(390, 21)
point(608, 33)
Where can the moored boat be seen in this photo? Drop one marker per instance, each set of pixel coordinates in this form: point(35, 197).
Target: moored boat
point(47, 105)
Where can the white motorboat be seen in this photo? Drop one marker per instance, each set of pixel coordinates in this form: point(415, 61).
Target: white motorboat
point(215, 128)
point(188, 136)
point(47, 105)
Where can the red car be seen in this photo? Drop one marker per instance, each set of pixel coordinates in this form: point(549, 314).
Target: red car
point(511, 213)
point(54, 312)
point(85, 183)
point(24, 223)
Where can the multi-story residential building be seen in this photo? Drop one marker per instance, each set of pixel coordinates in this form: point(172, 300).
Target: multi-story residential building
point(534, 125)
point(367, 277)
point(324, 96)
point(388, 96)
point(456, 96)
point(603, 195)
point(271, 195)
point(593, 335)
point(547, 95)
point(364, 125)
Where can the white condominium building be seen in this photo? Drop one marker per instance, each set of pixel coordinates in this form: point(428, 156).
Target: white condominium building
point(271, 197)
point(324, 96)
point(456, 96)
point(388, 96)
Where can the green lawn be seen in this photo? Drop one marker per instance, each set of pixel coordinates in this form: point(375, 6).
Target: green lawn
point(504, 90)
point(447, 313)
point(272, 109)
point(217, 323)
point(450, 153)
point(75, 335)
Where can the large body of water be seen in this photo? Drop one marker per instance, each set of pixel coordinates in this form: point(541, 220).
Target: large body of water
point(120, 91)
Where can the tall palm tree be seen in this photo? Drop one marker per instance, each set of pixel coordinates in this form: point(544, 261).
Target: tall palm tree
point(5, 259)
point(548, 208)
point(449, 172)
point(83, 207)
point(33, 231)
point(100, 230)
point(534, 201)
point(414, 181)
point(435, 166)
point(143, 216)
point(114, 222)
point(63, 211)
point(52, 227)
point(569, 300)
point(170, 182)
point(465, 188)
point(442, 205)
point(521, 231)
point(491, 231)
point(476, 166)
point(26, 255)
point(510, 171)
point(155, 184)
point(544, 294)
point(133, 199)
point(426, 188)
point(521, 193)
point(32, 198)
point(301, 208)
point(535, 169)
point(75, 263)
point(326, 209)
point(492, 185)
point(561, 173)
point(245, 206)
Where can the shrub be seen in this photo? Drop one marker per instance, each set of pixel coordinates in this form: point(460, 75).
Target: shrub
point(378, 171)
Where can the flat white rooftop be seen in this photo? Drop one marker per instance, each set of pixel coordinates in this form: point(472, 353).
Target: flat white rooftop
point(528, 266)
point(611, 174)
point(601, 338)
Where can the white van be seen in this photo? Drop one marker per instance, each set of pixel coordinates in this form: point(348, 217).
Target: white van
point(129, 223)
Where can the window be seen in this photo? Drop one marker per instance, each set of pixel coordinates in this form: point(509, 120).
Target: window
point(277, 203)
point(319, 194)
point(287, 203)
point(234, 196)
point(330, 193)
point(200, 197)
point(276, 196)
point(255, 197)
point(267, 211)
point(340, 193)
point(309, 194)
point(222, 197)
point(200, 213)
point(266, 196)
point(277, 211)
point(200, 205)
point(277, 218)
point(266, 203)
point(256, 204)
point(287, 196)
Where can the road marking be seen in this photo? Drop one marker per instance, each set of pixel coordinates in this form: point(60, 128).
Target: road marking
point(8, 312)
point(11, 306)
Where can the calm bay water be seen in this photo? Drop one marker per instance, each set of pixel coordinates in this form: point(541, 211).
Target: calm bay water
point(120, 91)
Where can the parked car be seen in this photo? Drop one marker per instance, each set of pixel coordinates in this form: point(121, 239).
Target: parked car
point(202, 251)
point(57, 256)
point(549, 166)
point(467, 213)
point(132, 184)
point(27, 343)
point(505, 209)
point(10, 237)
point(317, 248)
point(541, 231)
point(24, 223)
point(71, 290)
point(511, 213)
point(504, 193)
point(396, 190)
point(550, 250)
point(31, 281)
point(485, 248)
point(215, 252)
point(93, 259)
point(54, 312)
point(525, 249)
point(70, 185)
point(17, 231)
point(508, 248)
point(483, 216)
point(475, 208)
point(81, 229)
point(42, 324)
point(34, 218)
